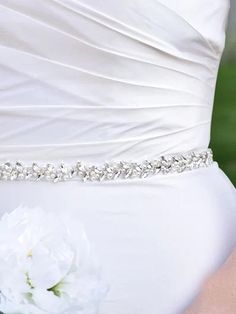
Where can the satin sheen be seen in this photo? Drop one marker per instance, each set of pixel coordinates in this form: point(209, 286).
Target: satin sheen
point(102, 80)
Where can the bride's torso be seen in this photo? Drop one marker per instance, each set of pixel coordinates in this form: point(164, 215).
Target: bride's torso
point(99, 80)
point(131, 79)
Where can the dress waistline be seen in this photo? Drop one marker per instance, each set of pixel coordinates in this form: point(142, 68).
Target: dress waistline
point(112, 170)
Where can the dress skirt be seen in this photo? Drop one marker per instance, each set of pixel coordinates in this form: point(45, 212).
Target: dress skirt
point(157, 239)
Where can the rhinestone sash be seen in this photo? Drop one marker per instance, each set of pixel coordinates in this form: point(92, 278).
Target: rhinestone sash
point(175, 163)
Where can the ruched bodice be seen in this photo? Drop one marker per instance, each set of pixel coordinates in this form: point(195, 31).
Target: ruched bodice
point(107, 79)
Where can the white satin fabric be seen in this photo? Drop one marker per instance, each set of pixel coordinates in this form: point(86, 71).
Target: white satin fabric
point(98, 80)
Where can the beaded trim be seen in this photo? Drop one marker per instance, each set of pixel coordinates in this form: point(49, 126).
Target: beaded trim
point(108, 171)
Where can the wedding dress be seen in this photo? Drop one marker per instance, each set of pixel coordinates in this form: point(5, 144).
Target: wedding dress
point(106, 80)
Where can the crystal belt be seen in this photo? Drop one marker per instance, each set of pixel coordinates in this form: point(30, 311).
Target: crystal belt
point(174, 163)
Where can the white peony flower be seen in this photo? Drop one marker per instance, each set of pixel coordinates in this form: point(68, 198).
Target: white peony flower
point(46, 265)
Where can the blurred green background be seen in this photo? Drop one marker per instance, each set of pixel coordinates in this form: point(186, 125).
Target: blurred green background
point(223, 134)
